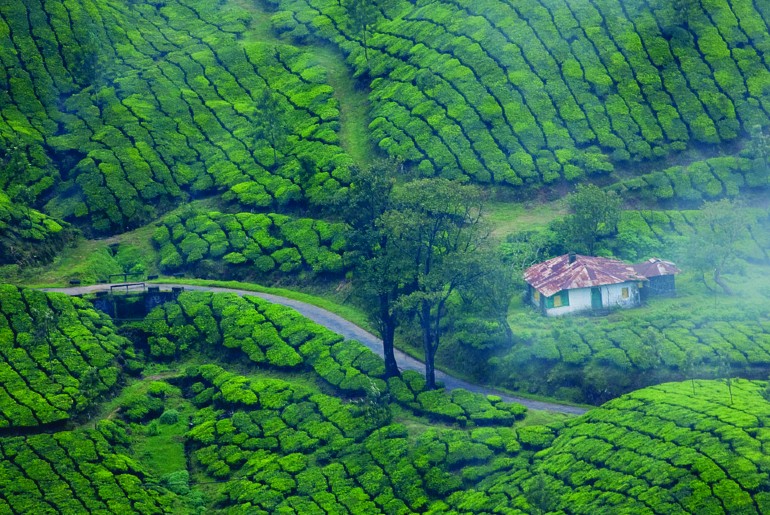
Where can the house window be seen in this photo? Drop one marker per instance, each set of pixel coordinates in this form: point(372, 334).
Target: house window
point(624, 293)
point(558, 300)
point(536, 296)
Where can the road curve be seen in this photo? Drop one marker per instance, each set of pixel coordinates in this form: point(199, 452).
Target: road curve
point(350, 331)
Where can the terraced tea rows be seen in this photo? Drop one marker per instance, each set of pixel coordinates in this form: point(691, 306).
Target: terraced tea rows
point(173, 105)
point(666, 449)
point(711, 179)
point(268, 334)
point(278, 337)
point(266, 443)
point(77, 472)
point(262, 242)
point(58, 356)
point(28, 236)
point(519, 92)
point(294, 448)
point(593, 359)
point(645, 233)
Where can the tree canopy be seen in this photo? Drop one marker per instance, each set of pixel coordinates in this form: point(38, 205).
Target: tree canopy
point(714, 246)
point(594, 214)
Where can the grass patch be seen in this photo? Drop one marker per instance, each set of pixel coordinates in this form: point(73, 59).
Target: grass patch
point(163, 452)
point(354, 105)
point(511, 218)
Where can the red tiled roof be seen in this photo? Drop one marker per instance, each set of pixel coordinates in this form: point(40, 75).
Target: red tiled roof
point(559, 274)
point(655, 267)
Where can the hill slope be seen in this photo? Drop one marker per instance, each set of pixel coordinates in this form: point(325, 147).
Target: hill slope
point(273, 438)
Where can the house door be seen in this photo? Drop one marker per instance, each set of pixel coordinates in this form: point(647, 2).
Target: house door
point(596, 298)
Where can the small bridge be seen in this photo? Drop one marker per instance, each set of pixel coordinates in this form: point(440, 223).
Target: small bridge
point(132, 301)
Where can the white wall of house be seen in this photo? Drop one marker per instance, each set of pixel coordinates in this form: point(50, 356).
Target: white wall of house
point(579, 300)
point(612, 297)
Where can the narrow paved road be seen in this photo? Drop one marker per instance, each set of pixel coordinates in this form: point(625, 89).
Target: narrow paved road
point(351, 331)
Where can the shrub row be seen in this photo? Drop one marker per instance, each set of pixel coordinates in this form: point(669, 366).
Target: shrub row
point(711, 179)
point(304, 450)
point(58, 356)
point(592, 359)
point(547, 90)
point(85, 471)
point(28, 236)
point(461, 406)
point(170, 110)
point(266, 243)
point(677, 447)
point(646, 233)
point(269, 334)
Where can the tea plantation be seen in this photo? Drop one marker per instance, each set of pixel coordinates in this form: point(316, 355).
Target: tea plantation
point(287, 417)
point(58, 356)
point(532, 92)
point(149, 105)
point(313, 145)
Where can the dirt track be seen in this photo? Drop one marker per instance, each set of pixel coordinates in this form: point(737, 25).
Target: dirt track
point(351, 331)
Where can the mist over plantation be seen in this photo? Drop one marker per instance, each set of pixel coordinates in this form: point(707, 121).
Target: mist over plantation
point(384, 256)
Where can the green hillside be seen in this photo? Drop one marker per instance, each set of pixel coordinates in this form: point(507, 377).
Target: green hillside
point(58, 356)
point(272, 427)
point(151, 105)
point(399, 163)
point(534, 92)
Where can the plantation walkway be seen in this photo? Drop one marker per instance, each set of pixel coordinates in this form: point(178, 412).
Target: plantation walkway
point(351, 331)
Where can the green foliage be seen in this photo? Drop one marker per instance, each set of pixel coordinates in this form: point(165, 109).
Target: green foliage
point(519, 94)
point(250, 243)
point(594, 215)
point(118, 118)
point(170, 416)
point(601, 358)
point(79, 471)
point(268, 334)
point(28, 236)
point(712, 179)
point(720, 230)
point(147, 402)
point(58, 356)
point(307, 447)
point(667, 442)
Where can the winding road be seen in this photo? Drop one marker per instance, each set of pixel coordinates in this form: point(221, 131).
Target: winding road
point(351, 331)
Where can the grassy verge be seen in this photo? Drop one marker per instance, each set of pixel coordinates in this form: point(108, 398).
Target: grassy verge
point(348, 312)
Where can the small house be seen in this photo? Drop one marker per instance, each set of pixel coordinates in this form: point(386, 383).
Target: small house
point(572, 283)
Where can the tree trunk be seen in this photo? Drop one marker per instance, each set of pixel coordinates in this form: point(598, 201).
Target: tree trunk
point(427, 344)
point(430, 370)
point(720, 282)
point(388, 333)
point(388, 336)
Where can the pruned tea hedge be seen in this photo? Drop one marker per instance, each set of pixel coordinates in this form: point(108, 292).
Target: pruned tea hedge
point(58, 356)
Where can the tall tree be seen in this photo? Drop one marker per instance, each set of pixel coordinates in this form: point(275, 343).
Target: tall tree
point(362, 15)
point(594, 215)
point(436, 225)
point(271, 124)
point(713, 247)
point(377, 263)
point(758, 148)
